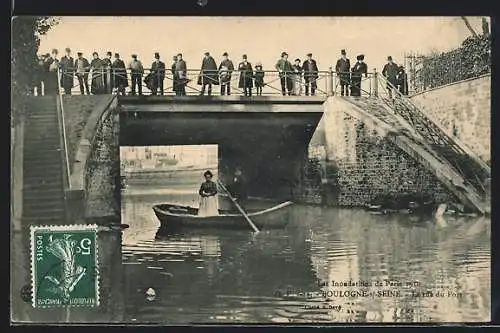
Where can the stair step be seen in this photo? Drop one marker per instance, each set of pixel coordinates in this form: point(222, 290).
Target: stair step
point(45, 213)
point(41, 186)
point(43, 194)
point(54, 206)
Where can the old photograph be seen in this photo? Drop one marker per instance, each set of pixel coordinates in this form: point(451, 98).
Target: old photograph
point(240, 170)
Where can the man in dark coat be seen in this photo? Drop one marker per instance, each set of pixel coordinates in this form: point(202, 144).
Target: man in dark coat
point(342, 69)
point(310, 69)
point(358, 70)
point(51, 86)
point(181, 71)
point(225, 70)
point(390, 71)
point(175, 77)
point(402, 79)
point(67, 72)
point(209, 74)
point(286, 73)
point(238, 186)
point(82, 68)
point(157, 75)
point(120, 79)
point(246, 76)
point(107, 77)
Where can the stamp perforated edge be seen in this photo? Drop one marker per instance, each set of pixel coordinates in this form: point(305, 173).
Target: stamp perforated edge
point(75, 227)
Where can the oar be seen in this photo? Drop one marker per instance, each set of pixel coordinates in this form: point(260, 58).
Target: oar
point(239, 207)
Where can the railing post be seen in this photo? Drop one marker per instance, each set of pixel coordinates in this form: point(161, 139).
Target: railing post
point(108, 80)
point(375, 83)
point(330, 87)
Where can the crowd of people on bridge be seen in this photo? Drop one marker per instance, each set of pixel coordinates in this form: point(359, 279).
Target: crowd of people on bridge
point(110, 74)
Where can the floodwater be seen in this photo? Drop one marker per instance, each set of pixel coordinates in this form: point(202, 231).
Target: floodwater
point(411, 269)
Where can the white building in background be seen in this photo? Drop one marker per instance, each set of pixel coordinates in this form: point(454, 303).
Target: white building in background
point(162, 156)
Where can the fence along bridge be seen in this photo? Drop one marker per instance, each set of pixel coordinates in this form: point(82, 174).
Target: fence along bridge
point(414, 131)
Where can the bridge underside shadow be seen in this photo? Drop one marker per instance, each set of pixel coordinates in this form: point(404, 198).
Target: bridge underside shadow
point(270, 147)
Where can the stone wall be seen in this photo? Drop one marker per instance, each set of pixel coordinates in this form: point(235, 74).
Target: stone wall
point(464, 109)
point(362, 165)
point(103, 171)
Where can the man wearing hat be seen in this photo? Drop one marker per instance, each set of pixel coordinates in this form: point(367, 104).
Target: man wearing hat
point(82, 68)
point(209, 74)
point(136, 71)
point(358, 70)
point(310, 69)
point(182, 79)
point(67, 72)
point(157, 75)
point(246, 76)
point(286, 73)
point(120, 80)
point(342, 69)
point(226, 67)
point(390, 71)
point(106, 66)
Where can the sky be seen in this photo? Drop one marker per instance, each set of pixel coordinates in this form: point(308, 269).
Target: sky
point(261, 38)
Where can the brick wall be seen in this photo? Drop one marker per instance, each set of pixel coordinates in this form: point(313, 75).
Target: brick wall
point(465, 106)
point(362, 165)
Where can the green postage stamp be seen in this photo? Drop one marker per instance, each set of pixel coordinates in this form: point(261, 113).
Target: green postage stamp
point(64, 266)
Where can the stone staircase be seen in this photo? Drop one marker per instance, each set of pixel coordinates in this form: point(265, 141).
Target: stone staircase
point(43, 168)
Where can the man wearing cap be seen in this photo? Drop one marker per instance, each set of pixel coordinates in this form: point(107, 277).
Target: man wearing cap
point(246, 76)
point(358, 70)
point(342, 69)
point(209, 74)
point(157, 75)
point(310, 69)
point(181, 72)
point(226, 67)
point(136, 71)
point(119, 74)
point(390, 71)
point(82, 67)
point(106, 66)
point(67, 72)
point(286, 73)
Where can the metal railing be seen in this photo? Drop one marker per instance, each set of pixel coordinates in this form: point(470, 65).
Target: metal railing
point(460, 157)
point(320, 83)
point(63, 130)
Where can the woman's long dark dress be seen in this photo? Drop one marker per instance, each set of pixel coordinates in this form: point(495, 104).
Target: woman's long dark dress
point(97, 86)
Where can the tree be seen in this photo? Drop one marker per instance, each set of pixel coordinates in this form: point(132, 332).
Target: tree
point(467, 24)
point(26, 32)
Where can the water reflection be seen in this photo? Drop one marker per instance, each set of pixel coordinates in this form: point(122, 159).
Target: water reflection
point(233, 276)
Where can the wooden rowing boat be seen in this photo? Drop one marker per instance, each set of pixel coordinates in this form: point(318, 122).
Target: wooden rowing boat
point(173, 216)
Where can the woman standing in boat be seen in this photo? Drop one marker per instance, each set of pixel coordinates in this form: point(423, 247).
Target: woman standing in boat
point(209, 204)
